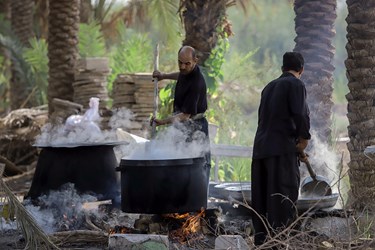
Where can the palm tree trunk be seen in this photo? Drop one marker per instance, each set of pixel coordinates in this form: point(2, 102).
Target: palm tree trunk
point(63, 25)
point(314, 25)
point(22, 26)
point(360, 66)
point(5, 8)
point(201, 20)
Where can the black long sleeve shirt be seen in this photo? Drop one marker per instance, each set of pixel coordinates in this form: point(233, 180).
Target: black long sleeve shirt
point(283, 117)
point(191, 93)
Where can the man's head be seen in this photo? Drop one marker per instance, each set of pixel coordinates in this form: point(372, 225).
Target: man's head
point(293, 61)
point(186, 59)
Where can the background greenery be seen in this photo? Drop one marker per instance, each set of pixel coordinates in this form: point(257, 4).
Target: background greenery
point(238, 69)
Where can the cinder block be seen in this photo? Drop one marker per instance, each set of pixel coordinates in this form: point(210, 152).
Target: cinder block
point(230, 242)
point(138, 242)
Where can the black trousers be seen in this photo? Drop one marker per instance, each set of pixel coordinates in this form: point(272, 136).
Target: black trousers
point(274, 192)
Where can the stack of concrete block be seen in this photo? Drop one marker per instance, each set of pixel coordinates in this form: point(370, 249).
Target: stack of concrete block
point(136, 93)
point(90, 80)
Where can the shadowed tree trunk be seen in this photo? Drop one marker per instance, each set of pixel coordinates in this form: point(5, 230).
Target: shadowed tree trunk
point(85, 11)
point(63, 25)
point(41, 18)
point(314, 25)
point(201, 20)
point(22, 26)
point(5, 8)
point(360, 67)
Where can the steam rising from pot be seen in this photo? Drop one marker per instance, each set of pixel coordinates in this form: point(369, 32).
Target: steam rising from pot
point(171, 143)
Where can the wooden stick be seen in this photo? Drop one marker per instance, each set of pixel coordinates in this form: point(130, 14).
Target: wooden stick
point(10, 167)
point(156, 93)
point(79, 236)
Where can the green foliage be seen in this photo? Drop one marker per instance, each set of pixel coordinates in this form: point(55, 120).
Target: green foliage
point(102, 9)
point(165, 21)
point(36, 56)
point(212, 67)
point(268, 28)
point(340, 80)
point(166, 100)
point(22, 69)
point(233, 169)
point(132, 54)
point(91, 40)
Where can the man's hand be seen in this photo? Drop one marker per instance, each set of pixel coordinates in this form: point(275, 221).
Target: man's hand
point(156, 121)
point(158, 75)
point(301, 144)
point(302, 156)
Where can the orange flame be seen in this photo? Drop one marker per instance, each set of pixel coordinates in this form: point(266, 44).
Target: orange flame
point(192, 223)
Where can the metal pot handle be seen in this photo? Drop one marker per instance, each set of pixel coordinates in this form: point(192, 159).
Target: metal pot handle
point(311, 171)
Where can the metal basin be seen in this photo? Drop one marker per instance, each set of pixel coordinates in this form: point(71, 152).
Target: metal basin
point(241, 191)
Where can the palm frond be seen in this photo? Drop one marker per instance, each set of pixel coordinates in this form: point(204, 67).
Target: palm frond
point(101, 9)
point(166, 18)
point(34, 235)
point(91, 40)
point(36, 56)
point(21, 67)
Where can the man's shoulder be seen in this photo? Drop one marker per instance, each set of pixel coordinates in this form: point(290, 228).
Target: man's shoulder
point(290, 79)
point(199, 75)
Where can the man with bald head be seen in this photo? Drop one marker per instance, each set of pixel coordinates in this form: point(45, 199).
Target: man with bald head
point(190, 97)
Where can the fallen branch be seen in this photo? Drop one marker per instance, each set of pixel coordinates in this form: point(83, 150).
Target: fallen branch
point(79, 236)
point(10, 167)
point(90, 224)
point(19, 176)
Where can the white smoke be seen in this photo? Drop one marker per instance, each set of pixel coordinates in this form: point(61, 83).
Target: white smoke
point(323, 160)
point(83, 130)
point(122, 118)
point(171, 143)
point(60, 210)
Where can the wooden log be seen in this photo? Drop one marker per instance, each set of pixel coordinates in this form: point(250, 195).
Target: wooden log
point(68, 104)
point(79, 236)
point(10, 168)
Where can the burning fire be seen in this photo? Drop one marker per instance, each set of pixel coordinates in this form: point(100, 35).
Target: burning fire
point(180, 227)
point(193, 223)
point(189, 228)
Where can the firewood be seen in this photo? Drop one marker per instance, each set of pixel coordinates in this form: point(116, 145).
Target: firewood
point(10, 168)
point(79, 236)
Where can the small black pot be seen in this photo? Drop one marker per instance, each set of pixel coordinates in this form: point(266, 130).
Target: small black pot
point(164, 186)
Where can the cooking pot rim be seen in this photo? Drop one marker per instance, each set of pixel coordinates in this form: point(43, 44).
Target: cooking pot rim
point(125, 162)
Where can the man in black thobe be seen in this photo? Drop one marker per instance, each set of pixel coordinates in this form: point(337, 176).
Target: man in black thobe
point(280, 140)
point(190, 98)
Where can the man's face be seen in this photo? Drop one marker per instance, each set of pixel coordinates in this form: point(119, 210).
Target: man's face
point(186, 62)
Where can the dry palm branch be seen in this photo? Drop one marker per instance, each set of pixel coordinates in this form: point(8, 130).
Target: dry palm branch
point(34, 236)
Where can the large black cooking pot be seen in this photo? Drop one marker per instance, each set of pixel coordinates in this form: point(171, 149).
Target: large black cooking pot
point(90, 168)
point(163, 186)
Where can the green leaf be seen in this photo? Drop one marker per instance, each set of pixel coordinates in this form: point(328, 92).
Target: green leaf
point(91, 40)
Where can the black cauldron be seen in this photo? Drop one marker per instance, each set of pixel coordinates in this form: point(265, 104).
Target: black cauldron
point(90, 168)
point(164, 186)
